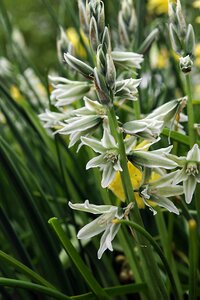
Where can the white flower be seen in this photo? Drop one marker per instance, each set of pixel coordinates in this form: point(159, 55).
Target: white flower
point(127, 88)
point(145, 128)
point(52, 119)
point(190, 172)
point(127, 59)
point(108, 160)
point(102, 223)
point(159, 190)
point(67, 91)
point(152, 159)
point(84, 120)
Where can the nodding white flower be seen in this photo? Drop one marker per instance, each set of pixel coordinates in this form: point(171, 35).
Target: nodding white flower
point(127, 59)
point(190, 171)
point(168, 111)
point(145, 128)
point(108, 160)
point(158, 191)
point(67, 91)
point(52, 119)
point(152, 159)
point(102, 223)
point(127, 88)
point(83, 120)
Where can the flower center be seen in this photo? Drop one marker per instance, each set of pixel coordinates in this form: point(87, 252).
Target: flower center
point(105, 219)
point(111, 155)
point(192, 169)
point(101, 112)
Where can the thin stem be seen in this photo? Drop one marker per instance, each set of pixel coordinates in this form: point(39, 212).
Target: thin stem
point(193, 259)
point(158, 250)
point(190, 112)
point(137, 110)
point(152, 273)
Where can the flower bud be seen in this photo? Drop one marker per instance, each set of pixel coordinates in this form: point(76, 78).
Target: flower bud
point(190, 40)
point(181, 19)
point(175, 41)
point(185, 64)
point(110, 71)
point(106, 43)
point(78, 65)
point(101, 88)
point(101, 60)
point(93, 34)
point(83, 16)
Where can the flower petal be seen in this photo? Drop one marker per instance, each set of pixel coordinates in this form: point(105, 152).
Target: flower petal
point(106, 239)
point(92, 208)
point(108, 140)
point(166, 203)
point(108, 175)
point(152, 160)
point(94, 144)
point(95, 162)
point(93, 228)
point(189, 186)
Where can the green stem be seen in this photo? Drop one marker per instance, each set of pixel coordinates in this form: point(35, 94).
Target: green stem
point(150, 266)
point(33, 287)
point(158, 250)
point(137, 110)
point(190, 112)
point(83, 269)
point(193, 259)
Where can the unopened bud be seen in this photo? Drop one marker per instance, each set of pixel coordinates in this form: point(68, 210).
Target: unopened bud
point(190, 40)
point(101, 17)
point(110, 71)
point(106, 43)
point(185, 64)
point(101, 60)
point(93, 34)
point(180, 18)
point(175, 41)
point(83, 16)
point(78, 65)
point(101, 88)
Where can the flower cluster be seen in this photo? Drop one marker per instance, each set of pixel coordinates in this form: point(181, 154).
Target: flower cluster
point(101, 83)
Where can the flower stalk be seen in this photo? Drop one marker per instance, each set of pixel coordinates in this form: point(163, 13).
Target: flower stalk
point(190, 111)
point(151, 272)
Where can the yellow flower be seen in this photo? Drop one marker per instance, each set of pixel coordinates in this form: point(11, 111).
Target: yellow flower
point(197, 55)
point(136, 179)
point(158, 6)
point(15, 93)
point(197, 20)
point(196, 4)
point(74, 38)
